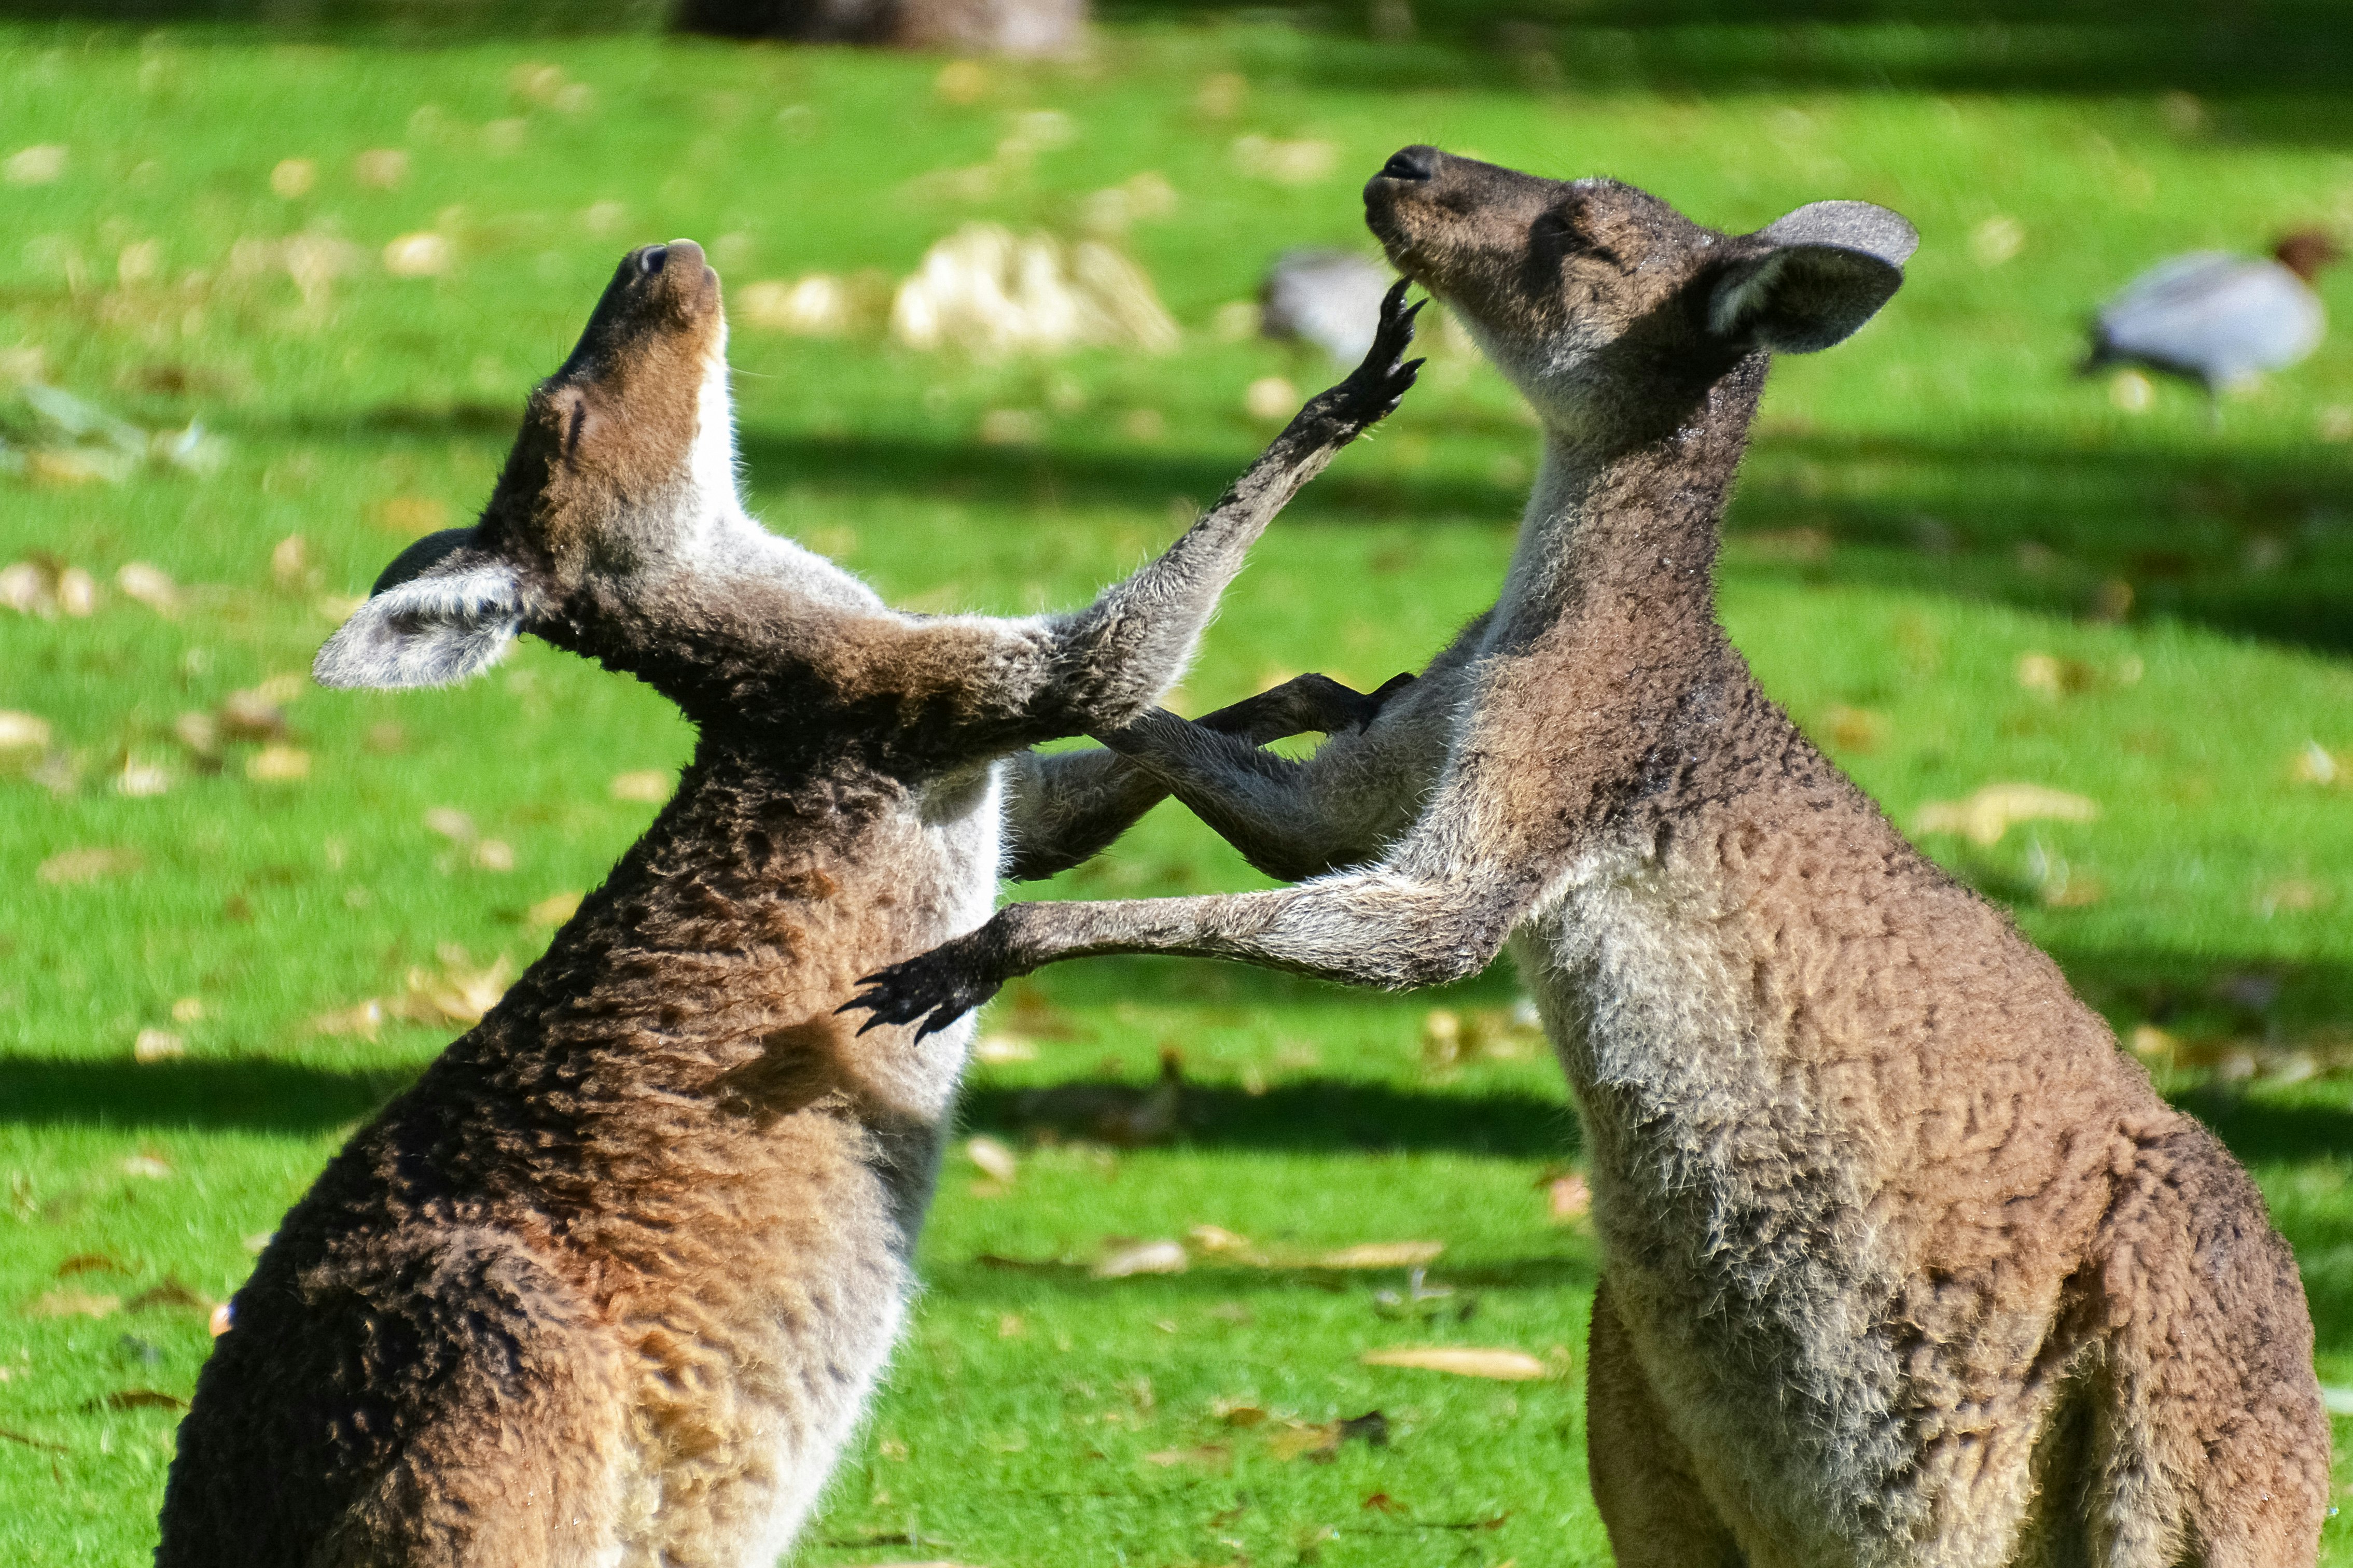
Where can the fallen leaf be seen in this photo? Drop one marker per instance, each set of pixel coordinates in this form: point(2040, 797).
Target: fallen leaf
point(492, 855)
point(1381, 1502)
point(2054, 677)
point(141, 780)
point(172, 1293)
point(15, 1437)
point(552, 911)
point(1383, 1255)
point(1214, 1455)
point(73, 1304)
point(1510, 1366)
point(1857, 729)
point(151, 586)
point(364, 1018)
point(92, 1263)
point(42, 163)
point(423, 255)
point(994, 1158)
point(1567, 1198)
point(650, 786)
point(136, 1399)
point(1217, 1239)
point(1992, 811)
point(71, 866)
point(995, 1050)
point(277, 765)
point(22, 731)
point(147, 1167)
point(1292, 1442)
point(2313, 764)
point(1143, 1258)
point(1238, 1412)
point(450, 824)
point(77, 591)
point(1010, 1326)
point(157, 1045)
point(1270, 397)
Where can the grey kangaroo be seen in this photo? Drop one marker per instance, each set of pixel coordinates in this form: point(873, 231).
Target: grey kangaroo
point(611, 1283)
point(1904, 1263)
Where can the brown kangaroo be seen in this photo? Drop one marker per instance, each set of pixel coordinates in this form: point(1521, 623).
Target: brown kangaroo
point(611, 1283)
point(1904, 1262)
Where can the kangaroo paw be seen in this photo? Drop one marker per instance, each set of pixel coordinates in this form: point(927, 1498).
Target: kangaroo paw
point(933, 989)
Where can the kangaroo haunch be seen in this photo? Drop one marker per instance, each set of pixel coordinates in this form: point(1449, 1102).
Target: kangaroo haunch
point(610, 1284)
point(1904, 1262)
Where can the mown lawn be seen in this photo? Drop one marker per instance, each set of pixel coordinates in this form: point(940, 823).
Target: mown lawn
point(1957, 563)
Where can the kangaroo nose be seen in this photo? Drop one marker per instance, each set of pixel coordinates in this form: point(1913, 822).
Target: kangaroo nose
point(650, 259)
point(1416, 163)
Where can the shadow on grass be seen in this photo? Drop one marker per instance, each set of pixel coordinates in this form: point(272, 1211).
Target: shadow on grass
point(2262, 50)
point(2255, 544)
point(989, 1274)
point(1311, 1116)
point(259, 1096)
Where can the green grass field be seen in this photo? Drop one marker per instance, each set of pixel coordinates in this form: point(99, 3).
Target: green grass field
point(1957, 564)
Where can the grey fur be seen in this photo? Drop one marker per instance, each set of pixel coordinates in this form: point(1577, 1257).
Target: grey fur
point(1905, 1265)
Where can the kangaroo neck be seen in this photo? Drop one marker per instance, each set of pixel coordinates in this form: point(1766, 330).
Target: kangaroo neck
point(1626, 532)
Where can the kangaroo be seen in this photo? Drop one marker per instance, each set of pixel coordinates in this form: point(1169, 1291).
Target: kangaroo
point(611, 1282)
point(1904, 1262)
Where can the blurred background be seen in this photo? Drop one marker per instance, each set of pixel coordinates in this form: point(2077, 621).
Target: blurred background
point(1015, 288)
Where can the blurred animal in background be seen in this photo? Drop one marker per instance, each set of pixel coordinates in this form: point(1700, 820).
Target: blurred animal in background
point(2217, 319)
point(1329, 297)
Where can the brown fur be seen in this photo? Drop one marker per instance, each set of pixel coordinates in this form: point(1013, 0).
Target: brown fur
point(1905, 1263)
point(610, 1283)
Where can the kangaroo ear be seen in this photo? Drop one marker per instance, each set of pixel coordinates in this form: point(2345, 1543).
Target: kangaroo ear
point(439, 613)
point(1830, 267)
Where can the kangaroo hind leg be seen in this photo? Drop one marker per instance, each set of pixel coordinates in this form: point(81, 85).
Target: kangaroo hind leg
point(513, 1418)
point(1650, 1500)
point(2213, 1448)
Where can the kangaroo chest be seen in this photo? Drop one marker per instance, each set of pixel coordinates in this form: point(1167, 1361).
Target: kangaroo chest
point(1737, 1242)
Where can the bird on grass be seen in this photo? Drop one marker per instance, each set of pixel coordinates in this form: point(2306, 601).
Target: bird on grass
point(2217, 319)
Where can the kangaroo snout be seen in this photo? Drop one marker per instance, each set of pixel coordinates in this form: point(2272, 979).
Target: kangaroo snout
point(673, 275)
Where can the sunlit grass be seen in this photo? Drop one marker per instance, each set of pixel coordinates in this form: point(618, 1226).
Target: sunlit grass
point(1931, 512)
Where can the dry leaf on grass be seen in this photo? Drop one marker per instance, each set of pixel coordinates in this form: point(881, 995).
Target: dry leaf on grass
point(1218, 1239)
point(71, 866)
point(173, 1294)
point(364, 1018)
point(994, 1160)
point(1143, 1258)
point(73, 1304)
point(277, 765)
point(1567, 1197)
point(22, 731)
point(92, 1263)
point(1985, 816)
point(996, 1049)
point(149, 586)
point(1463, 1361)
point(650, 786)
point(135, 1399)
point(460, 993)
point(552, 911)
point(157, 1045)
point(1383, 1255)
point(1209, 1455)
point(148, 1166)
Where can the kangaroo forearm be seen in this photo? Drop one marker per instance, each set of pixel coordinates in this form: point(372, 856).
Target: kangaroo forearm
point(1068, 807)
point(1369, 929)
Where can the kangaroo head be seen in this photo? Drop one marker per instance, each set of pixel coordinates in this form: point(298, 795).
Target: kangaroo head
point(616, 521)
point(1612, 310)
